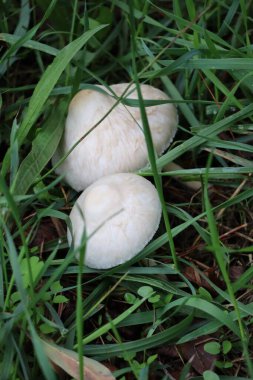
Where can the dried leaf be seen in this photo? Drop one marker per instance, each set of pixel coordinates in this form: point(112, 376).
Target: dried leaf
point(45, 233)
point(68, 360)
point(200, 359)
point(193, 275)
point(235, 272)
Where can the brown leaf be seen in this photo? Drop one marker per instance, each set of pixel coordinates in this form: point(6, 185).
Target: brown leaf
point(68, 360)
point(194, 276)
point(45, 233)
point(200, 359)
point(168, 351)
point(235, 272)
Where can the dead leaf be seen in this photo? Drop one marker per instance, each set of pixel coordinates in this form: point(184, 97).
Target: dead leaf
point(45, 233)
point(194, 276)
point(235, 272)
point(200, 359)
point(68, 360)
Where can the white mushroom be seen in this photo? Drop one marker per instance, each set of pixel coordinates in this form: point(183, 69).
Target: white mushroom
point(119, 214)
point(117, 144)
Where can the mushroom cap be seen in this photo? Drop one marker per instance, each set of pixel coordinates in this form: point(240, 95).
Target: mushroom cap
point(119, 214)
point(117, 144)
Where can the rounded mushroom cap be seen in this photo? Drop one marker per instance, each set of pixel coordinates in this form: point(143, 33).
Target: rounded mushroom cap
point(117, 144)
point(120, 214)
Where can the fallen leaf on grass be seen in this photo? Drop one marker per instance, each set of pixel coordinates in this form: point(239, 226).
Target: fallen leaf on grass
point(45, 233)
point(193, 275)
point(200, 359)
point(235, 272)
point(68, 360)
point(192, 352)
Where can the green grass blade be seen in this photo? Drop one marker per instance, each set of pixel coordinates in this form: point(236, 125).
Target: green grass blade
point(43, 361)
point(20, 30)
point(219, 255)
point(104, 329)
point(168, 335)
point(149, 143)
point(30, 44)
point(46, 84)
point(43, 148)
point(49, 80)
point(29, 35)
point(202, 137)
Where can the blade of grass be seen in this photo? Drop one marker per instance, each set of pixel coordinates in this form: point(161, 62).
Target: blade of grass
point(15, 212)
point(149, 142)
point(40, 354)
point(104, 329)
point(30, 44)
point(29, 35)
point(45, 86)
point(219, 255)
point(168, 335)
point(43, 148)
point(20, 30)
point(202, 136)
point(79, 305)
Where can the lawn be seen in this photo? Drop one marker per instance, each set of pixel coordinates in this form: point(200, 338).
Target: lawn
point(182, 308)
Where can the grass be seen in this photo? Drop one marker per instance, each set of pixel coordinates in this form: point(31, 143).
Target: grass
point(182, 308)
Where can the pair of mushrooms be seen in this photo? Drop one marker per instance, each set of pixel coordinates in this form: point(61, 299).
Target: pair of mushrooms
point(118, 210)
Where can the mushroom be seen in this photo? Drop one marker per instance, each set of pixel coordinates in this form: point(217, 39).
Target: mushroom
point(117, 144)
point(119, 214)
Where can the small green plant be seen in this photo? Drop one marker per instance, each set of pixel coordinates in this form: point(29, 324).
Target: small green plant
point(143, 291)
point(153, 297)
point(221, 349)
point(210, 375)
point(205, 294)
point(137, 366)
point(30, 269)
point(140, 367)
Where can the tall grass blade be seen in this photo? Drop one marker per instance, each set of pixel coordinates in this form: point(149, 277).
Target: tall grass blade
point(46, 84)
point(43, 148)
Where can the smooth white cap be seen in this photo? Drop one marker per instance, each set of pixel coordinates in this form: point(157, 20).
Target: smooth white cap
point(119, 214)
point(117, 144)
